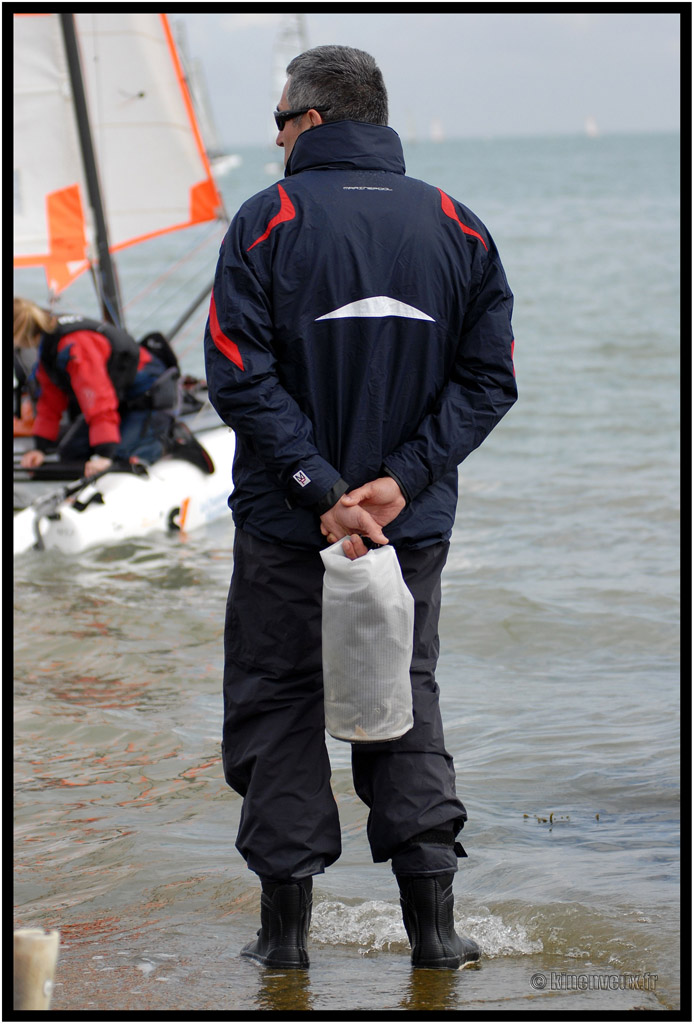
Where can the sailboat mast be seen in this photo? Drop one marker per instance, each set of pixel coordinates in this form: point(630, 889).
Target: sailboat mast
point(106, 283)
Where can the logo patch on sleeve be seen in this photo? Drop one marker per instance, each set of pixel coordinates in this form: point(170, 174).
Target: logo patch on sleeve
point(301, 478)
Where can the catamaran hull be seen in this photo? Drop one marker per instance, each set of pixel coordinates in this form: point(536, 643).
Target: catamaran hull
point(174, 495)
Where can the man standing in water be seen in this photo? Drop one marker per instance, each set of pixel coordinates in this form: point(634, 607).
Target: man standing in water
point(359, 343)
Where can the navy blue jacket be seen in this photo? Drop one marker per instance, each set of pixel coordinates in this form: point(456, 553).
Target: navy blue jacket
point(360, 325)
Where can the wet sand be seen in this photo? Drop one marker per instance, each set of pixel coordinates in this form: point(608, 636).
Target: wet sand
point(110, 965)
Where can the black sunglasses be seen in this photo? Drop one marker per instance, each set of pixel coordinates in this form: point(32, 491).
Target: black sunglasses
point(282, 116)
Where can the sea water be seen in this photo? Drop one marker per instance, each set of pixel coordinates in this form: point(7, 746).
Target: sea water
point(559, 668)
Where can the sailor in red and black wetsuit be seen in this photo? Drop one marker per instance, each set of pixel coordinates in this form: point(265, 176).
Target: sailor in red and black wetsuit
point(104, 379)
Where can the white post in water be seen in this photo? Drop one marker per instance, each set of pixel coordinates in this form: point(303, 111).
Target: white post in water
point(35, 956)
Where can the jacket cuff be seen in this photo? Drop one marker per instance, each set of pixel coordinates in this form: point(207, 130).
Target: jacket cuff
point(42, 444)
point(331, 497)
point(310, 481)
point(403, 489)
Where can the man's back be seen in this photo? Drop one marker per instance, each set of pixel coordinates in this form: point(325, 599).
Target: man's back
point(360, 292)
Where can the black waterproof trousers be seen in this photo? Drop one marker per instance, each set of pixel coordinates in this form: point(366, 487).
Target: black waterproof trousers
point(273, 742)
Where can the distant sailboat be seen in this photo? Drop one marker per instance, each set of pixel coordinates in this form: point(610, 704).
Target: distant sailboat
point(292, 39)
point(436, 133)
point(591, 127)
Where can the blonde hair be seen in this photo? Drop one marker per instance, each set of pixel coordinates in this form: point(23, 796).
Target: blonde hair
point(30, 322)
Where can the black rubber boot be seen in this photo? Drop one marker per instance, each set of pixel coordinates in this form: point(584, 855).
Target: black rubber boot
point(285, 915)
point(427, 910)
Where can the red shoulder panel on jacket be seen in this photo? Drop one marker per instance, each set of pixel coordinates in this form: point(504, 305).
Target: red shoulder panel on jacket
point(287, 212)
point(449, 209)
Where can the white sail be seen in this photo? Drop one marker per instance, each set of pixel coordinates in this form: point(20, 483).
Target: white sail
point(154, 173)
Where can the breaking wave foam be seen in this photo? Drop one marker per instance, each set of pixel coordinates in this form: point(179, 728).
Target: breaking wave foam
point(376, 925)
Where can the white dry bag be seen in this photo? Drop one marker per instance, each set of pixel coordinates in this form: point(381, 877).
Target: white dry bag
point(368, 626)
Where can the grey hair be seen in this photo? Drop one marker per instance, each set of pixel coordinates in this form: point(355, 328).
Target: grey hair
point(346, 80)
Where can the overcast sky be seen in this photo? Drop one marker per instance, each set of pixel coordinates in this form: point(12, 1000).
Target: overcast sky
point(477, 74)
